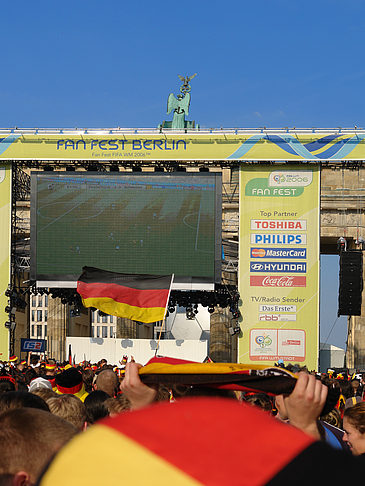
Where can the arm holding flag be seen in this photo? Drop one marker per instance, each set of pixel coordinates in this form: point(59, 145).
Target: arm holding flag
point(139, 394)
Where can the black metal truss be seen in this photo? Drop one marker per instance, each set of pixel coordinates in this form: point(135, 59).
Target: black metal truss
point(19, 255)
point(222, 296)
point(109, 165)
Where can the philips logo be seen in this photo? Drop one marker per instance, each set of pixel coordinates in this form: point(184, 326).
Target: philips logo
point(278, 239)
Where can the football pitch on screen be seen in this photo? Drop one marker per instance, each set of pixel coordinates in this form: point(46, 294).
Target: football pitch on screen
point(140, 229)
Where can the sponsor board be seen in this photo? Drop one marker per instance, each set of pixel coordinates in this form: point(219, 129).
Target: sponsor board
point(277, 281)
point(279, 224)
point(278, 267)
point(278, 239)
point(279, 263)
point(298, 253)
point(37, 345)
point(275, 344)
point(292, 178)
point(277, 317)
point(277, 308)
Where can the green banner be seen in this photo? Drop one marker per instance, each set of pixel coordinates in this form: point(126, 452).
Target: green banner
point(5, 246)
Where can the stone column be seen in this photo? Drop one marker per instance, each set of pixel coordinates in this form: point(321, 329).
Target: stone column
point(57, 324)
point(126, 329)
point(220, 347)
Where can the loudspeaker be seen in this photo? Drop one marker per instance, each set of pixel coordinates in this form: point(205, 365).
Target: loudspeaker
point(351, 283)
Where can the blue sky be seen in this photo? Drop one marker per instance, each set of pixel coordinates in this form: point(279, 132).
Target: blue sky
point(273, 63)
point(333, 329)
point(98, 64)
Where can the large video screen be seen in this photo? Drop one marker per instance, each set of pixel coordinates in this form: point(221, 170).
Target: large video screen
point(139, 223)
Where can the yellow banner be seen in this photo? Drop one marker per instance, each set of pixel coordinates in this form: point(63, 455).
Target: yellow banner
point(279, 264)
point(258, 145)
point(5, 241)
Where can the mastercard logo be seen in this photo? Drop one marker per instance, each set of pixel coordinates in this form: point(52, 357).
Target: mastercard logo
point(258, 252)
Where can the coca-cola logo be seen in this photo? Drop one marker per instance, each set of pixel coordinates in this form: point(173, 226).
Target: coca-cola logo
point(277, 281)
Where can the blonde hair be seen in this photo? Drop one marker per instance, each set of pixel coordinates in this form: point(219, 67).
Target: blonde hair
point(44, 393)
point(69, 408)
point(117, 405)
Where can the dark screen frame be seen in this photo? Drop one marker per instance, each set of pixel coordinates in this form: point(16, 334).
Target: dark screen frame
point(37, 175)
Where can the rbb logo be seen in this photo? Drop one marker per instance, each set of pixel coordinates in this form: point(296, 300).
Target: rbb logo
point(32, 345)
point(268, 317)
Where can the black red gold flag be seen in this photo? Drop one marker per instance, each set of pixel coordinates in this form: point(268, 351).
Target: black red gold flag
point(229, 376)
point(142, 298)
point(193, 442)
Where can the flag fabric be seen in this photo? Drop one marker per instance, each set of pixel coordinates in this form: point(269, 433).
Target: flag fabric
point(142, 298)
point(201, 441)
point(232, 376)
point(227, 376)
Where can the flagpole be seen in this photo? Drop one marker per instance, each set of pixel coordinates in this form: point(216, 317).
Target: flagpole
point(164, 316)
point(159, 337)
point(168, 296)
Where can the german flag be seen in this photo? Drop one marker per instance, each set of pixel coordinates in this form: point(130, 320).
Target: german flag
point(194, 442)
point(141, 298)
point(225, 376)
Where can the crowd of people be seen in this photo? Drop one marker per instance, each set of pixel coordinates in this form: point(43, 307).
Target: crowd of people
point(47, 409)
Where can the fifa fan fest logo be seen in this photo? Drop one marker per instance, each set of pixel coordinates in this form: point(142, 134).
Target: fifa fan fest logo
point(278, 178)
point(291, 178)
point(263, 341)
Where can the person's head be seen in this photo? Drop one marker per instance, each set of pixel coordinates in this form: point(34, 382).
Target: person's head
point(44, 393)
point(117, 405)
point(95, 406)
point(354, 427)
point(259, 400)
point(7, 383)
point(39, 383)
point(107, 381)
point(29, 438)
point(50, 368)
point(333, 418)
point(30, 375)
point(87, 378)
point(346, 388)
point(69, 408)
point(70, 382)
point(21, 399)
point(21, 366)
point(281, 408)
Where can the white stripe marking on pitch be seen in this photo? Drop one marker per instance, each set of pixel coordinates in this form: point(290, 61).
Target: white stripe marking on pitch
point(62, 215)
